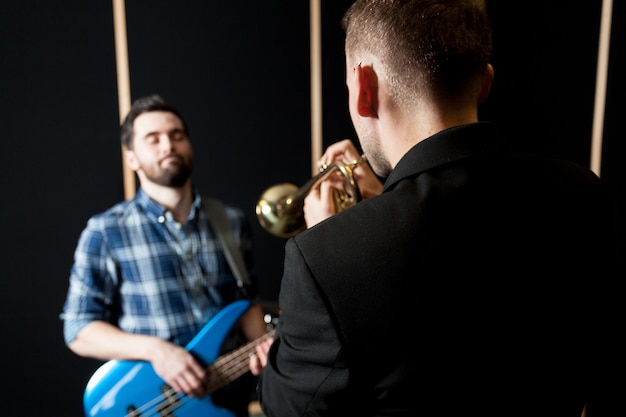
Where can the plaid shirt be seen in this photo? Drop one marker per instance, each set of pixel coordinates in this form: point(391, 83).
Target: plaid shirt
point(136, 267)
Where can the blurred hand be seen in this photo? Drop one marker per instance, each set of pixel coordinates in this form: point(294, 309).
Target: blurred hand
point(259, 359)
point(179, 369)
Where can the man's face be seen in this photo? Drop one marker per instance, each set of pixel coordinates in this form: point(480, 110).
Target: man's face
point(161, 151)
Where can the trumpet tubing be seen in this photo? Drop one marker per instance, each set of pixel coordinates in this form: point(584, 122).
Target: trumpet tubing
point(280, 208)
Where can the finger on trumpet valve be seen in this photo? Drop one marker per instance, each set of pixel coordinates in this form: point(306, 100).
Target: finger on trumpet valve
point(355, 163)
point(323, 166)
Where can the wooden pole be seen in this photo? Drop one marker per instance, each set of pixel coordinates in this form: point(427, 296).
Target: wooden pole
point(316, 84)
point(601, 80)
point(123, 83)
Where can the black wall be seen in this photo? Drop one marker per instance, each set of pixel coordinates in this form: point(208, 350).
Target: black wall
point(239, 71)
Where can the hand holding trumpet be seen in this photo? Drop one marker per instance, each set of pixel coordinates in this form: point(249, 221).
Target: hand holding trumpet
point(280, 210)
point(320, 202)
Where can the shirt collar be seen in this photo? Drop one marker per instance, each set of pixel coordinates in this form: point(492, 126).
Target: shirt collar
point(157, 211)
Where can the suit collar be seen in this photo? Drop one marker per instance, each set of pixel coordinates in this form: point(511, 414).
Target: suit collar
point(447, 146)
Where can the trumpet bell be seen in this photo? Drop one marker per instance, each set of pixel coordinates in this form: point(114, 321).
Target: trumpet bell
point(280, 208)
point(279, 214)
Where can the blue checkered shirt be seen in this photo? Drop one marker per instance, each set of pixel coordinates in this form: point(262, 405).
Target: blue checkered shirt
point(136, 267)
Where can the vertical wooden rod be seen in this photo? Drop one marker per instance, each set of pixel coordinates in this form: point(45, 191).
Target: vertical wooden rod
point(601, 81)
point(316, 84)
point(123, 83)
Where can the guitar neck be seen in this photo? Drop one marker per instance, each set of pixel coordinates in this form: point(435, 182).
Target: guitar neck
point(232, 365)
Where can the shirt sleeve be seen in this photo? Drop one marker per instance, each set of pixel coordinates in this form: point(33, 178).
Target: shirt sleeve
point(91, 284)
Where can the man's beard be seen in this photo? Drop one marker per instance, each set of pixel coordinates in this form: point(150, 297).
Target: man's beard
point(174, 176)
point(371, 147)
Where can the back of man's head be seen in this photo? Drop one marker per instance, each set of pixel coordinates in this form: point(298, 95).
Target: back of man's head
point(427, 48)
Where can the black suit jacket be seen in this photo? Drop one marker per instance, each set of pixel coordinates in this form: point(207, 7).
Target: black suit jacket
point(475, 284)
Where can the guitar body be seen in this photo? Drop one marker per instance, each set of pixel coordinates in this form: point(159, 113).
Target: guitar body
point(132, 388)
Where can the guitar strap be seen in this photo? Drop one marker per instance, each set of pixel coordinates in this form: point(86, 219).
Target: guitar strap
point(219, 221)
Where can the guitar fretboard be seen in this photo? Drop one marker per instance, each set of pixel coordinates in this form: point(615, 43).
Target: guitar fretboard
point(232, 365)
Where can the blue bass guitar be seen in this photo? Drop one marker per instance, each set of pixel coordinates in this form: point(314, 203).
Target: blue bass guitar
point(131, 388)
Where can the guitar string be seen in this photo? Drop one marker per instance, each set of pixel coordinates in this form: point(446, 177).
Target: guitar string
point(216, 381)
point(235, 363)
point(232, 366)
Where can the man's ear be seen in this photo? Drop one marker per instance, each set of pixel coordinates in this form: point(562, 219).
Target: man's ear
point(367, 91)
point(131, 159)
point(486, 87)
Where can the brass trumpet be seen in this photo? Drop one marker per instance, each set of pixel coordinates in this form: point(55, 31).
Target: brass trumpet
point(280, 208)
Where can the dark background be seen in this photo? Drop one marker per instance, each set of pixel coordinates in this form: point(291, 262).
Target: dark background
point(239, 72)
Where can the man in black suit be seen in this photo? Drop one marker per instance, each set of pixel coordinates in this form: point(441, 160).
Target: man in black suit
point(476, 282)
